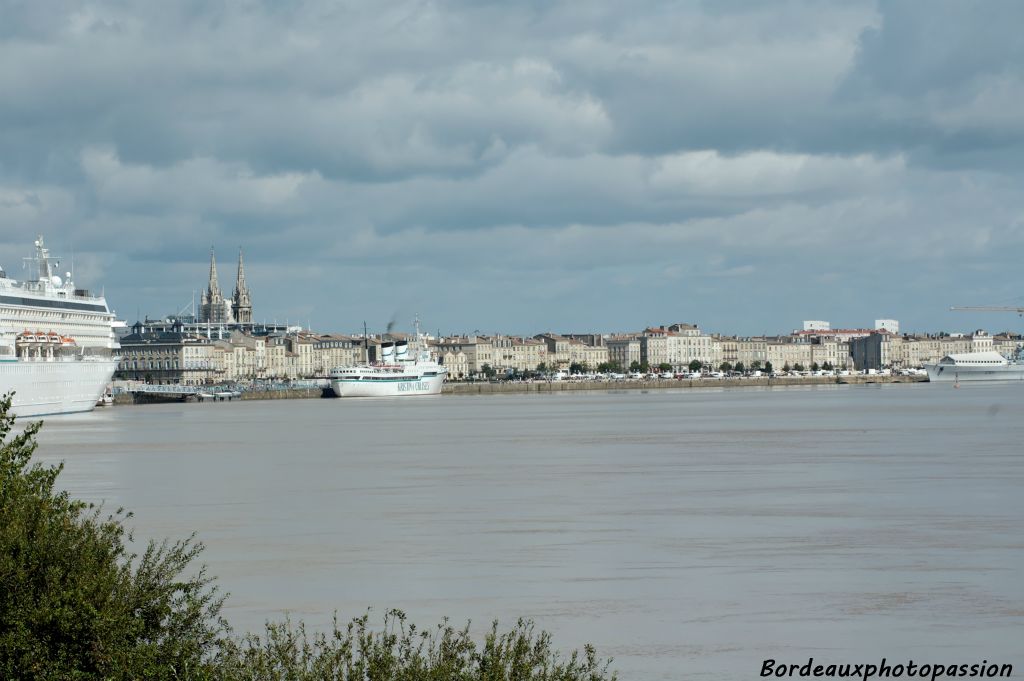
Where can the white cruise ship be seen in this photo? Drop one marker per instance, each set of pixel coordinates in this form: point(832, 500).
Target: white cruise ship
point(397, 374)
point(57, 344)
point(976, 366)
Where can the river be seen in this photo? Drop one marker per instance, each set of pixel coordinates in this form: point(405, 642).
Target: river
point(688, 534)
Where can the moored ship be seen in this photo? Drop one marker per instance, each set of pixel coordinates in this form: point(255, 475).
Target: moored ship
point(977, 366)
point(57, 344)
point(402, 371)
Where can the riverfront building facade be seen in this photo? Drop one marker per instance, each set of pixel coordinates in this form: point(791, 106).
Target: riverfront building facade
point(223, 343)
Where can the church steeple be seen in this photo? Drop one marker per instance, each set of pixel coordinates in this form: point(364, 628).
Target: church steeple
point(213, 308)
point(241, 305)
point(213, 287)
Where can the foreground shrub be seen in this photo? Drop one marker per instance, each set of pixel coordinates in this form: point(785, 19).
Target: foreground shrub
point(401, 652)
point(76, 604)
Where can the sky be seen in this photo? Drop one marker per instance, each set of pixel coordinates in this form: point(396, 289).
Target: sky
point(519, 167)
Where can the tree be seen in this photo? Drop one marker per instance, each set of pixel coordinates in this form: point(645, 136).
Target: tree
point(695, 365)
point(634, 366)
point(768, 367)
point(756, 365)
point(786, 367)
point(97, 610)
point(488, 371)
point(664, 366)
point(798, 367)
point(739, 367)
point(577, 368)
point(828, 366)
point(542, 368)
point(725, 367)
point(814, 366)
point(609, 368)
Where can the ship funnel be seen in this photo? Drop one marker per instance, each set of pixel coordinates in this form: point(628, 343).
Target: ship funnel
point(387, 352)
point(402, 350)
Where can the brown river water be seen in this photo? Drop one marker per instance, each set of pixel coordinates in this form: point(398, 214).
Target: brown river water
point(688, 534)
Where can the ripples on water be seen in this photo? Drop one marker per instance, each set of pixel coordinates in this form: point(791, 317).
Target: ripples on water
point(687, 533)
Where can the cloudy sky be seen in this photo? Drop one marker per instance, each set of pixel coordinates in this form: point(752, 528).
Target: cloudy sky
point(522, 166)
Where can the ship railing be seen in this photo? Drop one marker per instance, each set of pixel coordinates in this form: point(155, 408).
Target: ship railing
point(46, 288)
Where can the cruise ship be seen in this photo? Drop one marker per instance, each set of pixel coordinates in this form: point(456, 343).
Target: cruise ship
point(977, 366)
point(58, 350)
point(400, 373)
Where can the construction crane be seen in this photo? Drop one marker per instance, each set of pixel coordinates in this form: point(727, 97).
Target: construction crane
point(990, 308)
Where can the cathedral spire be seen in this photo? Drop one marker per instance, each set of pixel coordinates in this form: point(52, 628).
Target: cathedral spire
point(240, 280)
point(213, 287)
point(241, 306)
point(213, 308)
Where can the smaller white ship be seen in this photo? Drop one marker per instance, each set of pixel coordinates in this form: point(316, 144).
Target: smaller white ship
point(977, 366)
point(402, 371)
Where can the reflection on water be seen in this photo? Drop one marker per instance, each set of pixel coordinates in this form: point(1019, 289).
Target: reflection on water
point(686, 533)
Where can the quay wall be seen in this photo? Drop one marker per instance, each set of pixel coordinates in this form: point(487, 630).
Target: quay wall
point(291, 394)
point(563, 386)
point(559, 386)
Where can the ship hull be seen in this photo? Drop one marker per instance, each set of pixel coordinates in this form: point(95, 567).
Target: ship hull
point(44, 388)
point(952, 373)
point(398, 387)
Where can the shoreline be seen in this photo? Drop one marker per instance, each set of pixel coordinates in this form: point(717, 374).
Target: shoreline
point(482, 388)
point(764, 381)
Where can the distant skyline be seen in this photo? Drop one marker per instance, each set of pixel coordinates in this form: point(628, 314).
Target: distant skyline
point(524, 167)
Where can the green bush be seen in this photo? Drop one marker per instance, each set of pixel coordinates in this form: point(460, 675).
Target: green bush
point(76, 604)
point(401, 652)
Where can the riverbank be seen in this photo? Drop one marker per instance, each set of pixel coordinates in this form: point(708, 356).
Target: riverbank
point(558, 386)
point(504, 387)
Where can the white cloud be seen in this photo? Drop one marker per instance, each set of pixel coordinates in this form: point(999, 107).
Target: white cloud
point(196, 185)
point(767, 173)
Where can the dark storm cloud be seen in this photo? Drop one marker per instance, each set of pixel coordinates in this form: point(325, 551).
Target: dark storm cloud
point(498, 163)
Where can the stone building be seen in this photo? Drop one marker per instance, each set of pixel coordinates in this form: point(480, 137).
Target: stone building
point(512, 353)
point(678, 345)
point(623, 350)
point(752, 352)
point(335, 350)
point(557, 350)
point(590, 356)
point(167, 357)
point(478, 351)
point(456, 364)
point(884, 350)
point(783, 351)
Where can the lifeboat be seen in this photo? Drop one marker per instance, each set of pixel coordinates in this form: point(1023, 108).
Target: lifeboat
point(53, 337)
